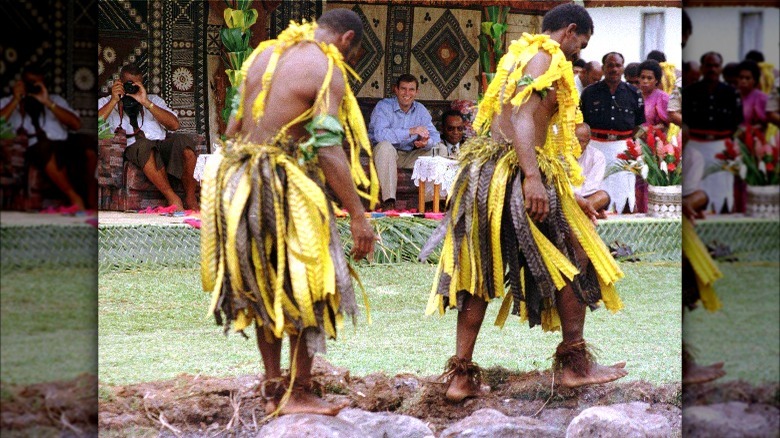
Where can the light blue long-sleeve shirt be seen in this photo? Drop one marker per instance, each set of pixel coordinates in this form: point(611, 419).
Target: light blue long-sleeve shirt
point(390, 123)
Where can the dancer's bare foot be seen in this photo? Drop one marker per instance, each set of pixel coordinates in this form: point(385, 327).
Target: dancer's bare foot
point(462, 387)
point(596, 374)
point(701, 374)
point(303, 402)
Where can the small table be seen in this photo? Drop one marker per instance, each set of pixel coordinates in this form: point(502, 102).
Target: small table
point(440, 171)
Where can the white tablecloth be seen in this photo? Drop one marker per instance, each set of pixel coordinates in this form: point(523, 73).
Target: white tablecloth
point(435, 170)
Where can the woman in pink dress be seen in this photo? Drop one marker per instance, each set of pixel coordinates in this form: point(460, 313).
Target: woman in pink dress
point(656, 100)
point(754, 113)
point(753, 99)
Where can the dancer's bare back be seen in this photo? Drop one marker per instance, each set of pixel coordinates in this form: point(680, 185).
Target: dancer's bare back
point(295, 83)
point(513, 123)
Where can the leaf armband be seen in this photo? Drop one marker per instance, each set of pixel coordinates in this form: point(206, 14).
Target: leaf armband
point(325, 131)
point(528, 80)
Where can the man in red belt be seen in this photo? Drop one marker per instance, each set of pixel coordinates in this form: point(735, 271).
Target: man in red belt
point(614, 110)
point(712, 110)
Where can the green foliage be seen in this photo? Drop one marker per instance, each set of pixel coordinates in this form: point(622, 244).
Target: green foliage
point(152, 329)
point(491, 37)
point(6, 130)
point(48, 329)
point(235, 40)
point(236, 37)
point(104, 130)
point(743, 334)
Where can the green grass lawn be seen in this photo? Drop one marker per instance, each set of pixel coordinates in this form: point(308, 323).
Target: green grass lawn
point(744, 334)
point(153, 326)
point(48, 325)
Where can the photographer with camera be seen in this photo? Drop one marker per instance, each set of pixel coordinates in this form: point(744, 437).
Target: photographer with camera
point(68, 158)
point(146, 119)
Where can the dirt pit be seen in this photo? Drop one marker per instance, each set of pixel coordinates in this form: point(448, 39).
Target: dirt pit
point(210, 406)
point(61, 408)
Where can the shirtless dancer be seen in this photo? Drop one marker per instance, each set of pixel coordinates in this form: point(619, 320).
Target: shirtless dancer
point(270, 248)
point(530, 164)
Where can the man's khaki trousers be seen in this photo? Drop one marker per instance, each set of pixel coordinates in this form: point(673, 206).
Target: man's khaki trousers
point(388, 160)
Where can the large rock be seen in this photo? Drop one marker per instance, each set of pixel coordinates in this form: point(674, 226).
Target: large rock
point(626, 420)
point(490, 423)
point(309, 426)
point(386, 424)
point(732, 419)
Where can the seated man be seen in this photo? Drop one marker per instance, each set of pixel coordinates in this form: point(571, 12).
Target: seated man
point(69, 159)
point(593, 166)
point(401, 131)
point(146, 119)
point(453, 127)
point(591, 74)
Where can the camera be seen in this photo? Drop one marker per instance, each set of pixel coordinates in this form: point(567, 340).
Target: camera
point(130, 105)
point(31, 88)
point(130, 87)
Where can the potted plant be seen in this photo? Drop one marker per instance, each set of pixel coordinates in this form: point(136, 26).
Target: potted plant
point(491, 41)
point(236, 37)
point(658, 161)
point(760, 169)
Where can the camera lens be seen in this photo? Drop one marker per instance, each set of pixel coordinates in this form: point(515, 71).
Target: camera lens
point(130, 87)
point(32, 88)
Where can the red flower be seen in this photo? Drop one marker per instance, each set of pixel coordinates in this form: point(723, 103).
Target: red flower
point(749, 137)
point(661, 136)
point(622, 156)
point(671, 166)
point(651, 137)
point(770, 167)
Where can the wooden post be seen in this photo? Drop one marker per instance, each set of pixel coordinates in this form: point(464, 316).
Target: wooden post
point(436, 190)
point(421, 197)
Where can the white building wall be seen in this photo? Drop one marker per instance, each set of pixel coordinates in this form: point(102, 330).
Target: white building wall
point(619, 29)
point(718, 29)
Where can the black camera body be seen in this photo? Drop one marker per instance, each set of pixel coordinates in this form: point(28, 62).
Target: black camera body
point(130, 105)
point(130, 87)
point(31, 88)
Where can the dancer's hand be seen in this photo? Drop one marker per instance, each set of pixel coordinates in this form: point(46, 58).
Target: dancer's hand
point(363, 237)
point(587, 208)
point(535, 195)
point(690, 212)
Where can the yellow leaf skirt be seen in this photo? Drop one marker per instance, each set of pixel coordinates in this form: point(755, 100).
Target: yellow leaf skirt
point(270, 250)
point(491, 245)
point(699, 271)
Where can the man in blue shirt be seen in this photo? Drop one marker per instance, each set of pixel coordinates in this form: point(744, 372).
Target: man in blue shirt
point(401, 130)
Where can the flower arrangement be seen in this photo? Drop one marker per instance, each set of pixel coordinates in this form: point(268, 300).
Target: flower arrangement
point(759, 165)
point(468, 109)
point(728, 160)
point(6, 130)
point(655, 158)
